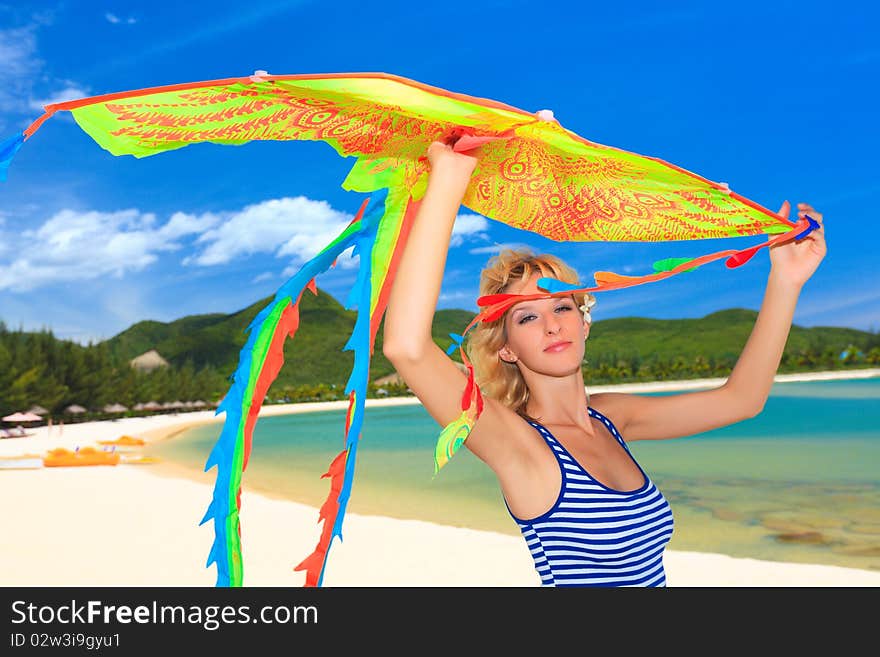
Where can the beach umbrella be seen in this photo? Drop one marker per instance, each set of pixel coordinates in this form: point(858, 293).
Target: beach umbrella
point(152, 406)
point(532, 174)
point(38, 410)
point(22, 417)
point(74, 409)
point(115, 408)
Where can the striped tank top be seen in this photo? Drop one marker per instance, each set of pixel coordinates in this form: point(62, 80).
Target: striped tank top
point(594, 535)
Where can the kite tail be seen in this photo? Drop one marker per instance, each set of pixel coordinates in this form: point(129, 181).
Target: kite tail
point(607, 280)
point(456, 432)
point(8, 149)
point(260, 360)
point(380, 245)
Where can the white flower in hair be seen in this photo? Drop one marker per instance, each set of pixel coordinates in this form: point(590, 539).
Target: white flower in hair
point(589, 302)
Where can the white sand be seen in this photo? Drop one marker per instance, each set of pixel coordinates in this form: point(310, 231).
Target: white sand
point(126, 525)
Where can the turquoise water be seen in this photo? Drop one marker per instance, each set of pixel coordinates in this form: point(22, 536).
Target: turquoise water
point(800, 482)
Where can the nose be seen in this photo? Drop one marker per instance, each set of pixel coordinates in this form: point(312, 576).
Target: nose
point(552, 324)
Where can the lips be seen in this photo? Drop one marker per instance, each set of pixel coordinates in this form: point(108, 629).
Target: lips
point(557, 346)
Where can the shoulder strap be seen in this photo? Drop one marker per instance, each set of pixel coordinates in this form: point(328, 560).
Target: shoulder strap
point(548, 437)
point(608, 423)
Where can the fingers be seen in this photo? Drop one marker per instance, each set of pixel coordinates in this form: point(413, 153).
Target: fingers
point(435, 148)
point(807, 209)
point(816, 236)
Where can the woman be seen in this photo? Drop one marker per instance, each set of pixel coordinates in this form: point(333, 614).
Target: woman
point(590, 515)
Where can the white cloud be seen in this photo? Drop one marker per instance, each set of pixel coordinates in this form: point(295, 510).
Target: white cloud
point(76, 245)
point(297, 227)
point(23, 76)
point(182, 224)
point(493, 249)
point(18, 52)
point(343, 261)
point(468, 226)
point(113, 18)
point(265, 276)
point(314, 235)
point(70, 92)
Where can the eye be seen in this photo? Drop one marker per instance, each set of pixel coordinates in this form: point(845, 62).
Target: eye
point(524, 319)
point(565, 307)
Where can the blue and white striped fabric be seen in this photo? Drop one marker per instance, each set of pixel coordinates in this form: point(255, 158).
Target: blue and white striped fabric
point(595, 535)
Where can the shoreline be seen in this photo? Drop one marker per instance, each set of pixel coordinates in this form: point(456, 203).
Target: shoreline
point(167, 433)
point(154, 428)
point(139, 524)
point(648, 386)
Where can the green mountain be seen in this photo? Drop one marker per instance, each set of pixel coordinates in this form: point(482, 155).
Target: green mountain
point(619, 347)
point(314, 355)
point(719, 335)
point(203, 350)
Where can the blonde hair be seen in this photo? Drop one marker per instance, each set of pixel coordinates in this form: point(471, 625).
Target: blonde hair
point(498, 379)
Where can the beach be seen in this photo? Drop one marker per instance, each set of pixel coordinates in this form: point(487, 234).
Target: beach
point(138, 525)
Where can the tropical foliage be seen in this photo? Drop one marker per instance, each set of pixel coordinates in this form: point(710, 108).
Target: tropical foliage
point(36, 368)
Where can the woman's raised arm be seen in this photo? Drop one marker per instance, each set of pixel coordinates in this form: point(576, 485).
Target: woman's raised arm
point(416, 288)
point(748, 387)
point(407, 343)
point(431, 374)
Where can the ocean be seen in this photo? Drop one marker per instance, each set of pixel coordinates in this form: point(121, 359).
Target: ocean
point(798, 483)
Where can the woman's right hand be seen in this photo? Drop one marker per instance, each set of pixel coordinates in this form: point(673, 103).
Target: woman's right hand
point(442, 157)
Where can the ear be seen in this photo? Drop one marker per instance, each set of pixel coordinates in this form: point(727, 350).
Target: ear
point(506, 355)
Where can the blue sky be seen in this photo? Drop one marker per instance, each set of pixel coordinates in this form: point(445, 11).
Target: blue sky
point(778, 99)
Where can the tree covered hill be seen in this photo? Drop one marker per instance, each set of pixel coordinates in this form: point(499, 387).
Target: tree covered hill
point(314, 355)
point(203, 351)
point(626, 349)
point(721, 334)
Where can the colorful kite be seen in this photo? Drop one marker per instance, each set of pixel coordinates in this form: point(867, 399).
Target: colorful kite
point(532, 174)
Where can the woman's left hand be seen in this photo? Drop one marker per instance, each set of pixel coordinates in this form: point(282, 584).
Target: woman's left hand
point(796, 260)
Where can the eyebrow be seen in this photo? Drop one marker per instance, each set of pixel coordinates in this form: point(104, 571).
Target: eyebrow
point(521, 309)
point(526, 307)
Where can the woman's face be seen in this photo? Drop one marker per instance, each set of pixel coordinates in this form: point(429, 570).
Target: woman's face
point(544, 335)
